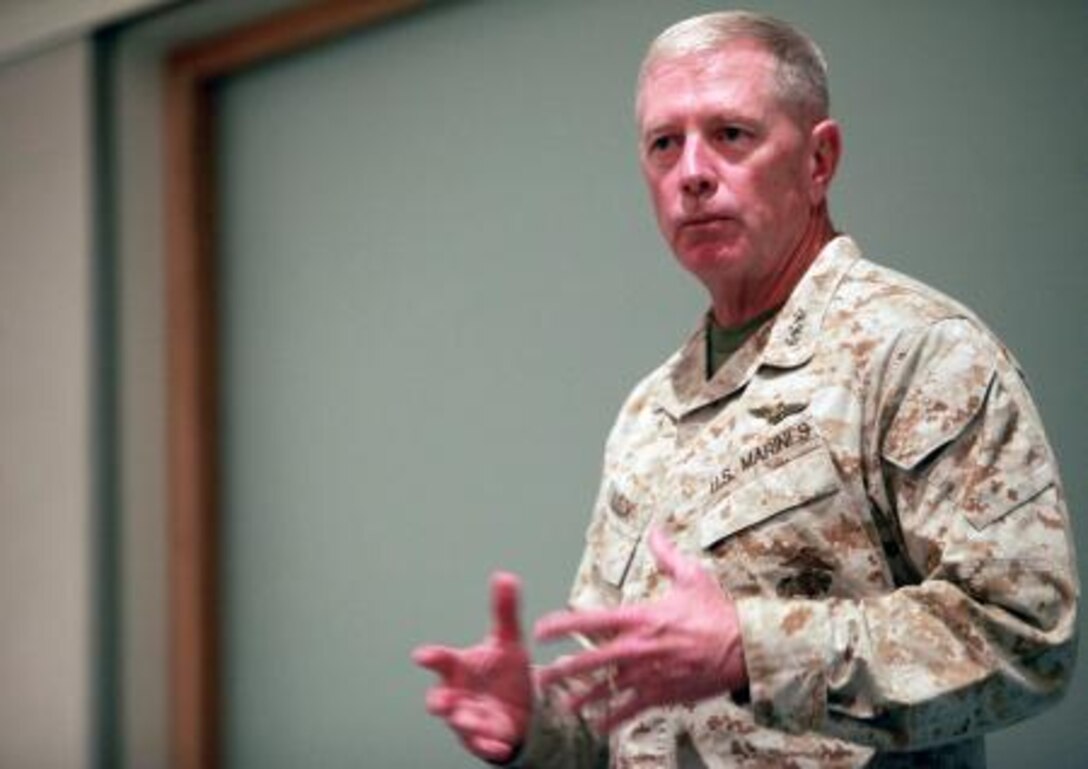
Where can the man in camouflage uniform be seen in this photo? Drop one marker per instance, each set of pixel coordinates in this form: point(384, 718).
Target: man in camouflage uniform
point(830, 530)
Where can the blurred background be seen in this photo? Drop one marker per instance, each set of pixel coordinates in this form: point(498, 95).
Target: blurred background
point(437, 277)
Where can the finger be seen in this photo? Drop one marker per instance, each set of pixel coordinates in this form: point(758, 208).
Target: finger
point(667, 557)
point(505, 588)
point(495, 751)
point(443, 660)
point(630, 652)
point(621, 712)
point(595, 695)
point(441, 701)
point(475, 719)
point(605, 621)
point(626, 679)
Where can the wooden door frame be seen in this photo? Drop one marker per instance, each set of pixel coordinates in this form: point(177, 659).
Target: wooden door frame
point(194, 480)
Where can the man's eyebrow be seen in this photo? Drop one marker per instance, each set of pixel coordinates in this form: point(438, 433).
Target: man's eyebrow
point(656, 129)
point(712, 117)
point(731, 114)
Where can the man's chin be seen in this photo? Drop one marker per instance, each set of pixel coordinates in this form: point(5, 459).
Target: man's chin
point(711, 260)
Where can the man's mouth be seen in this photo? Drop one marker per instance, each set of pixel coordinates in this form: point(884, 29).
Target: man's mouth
point(704, 219)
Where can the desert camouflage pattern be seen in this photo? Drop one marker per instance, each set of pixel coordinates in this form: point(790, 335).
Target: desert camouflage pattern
point(869, 479)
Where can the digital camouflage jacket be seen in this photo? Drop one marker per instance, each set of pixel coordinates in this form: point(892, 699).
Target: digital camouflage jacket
point(868, 478)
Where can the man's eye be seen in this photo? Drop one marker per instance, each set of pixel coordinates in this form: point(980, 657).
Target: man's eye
point(730, 133)
point(661, 144)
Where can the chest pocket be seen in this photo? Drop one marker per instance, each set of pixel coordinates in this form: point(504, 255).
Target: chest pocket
point(616, 553)
point(621, 525)
point(800, 481)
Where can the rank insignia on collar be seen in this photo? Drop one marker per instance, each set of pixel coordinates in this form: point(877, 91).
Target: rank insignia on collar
point(776, 412)
point(796, 327)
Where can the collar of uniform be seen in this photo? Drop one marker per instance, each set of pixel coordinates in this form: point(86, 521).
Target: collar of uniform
point(687, 387)
point(785, 341)
point(797, 325)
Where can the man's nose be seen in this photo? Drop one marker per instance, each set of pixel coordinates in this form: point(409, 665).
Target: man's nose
point(697, 177)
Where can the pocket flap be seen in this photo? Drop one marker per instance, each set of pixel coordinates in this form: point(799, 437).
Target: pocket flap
point(988, 499)
point(934, 413)
point(808, 477)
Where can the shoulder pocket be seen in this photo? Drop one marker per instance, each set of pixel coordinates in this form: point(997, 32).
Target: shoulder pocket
point(926, 423)
point(987, 500)
point(806, 478)
point(1009, 462)
point(946, 385)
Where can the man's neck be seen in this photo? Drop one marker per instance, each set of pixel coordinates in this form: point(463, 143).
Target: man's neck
point(733, 308)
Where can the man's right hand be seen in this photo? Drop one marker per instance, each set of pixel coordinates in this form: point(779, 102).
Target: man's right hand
point(485, 693)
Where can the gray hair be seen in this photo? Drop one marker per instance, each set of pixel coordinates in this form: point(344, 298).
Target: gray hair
point(802, 70)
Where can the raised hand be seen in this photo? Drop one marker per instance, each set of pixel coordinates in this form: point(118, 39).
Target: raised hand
point(485, 693)
point(681, 648)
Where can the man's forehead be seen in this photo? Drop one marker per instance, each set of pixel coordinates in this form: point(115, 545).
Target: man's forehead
point(743, 60)
point(744, 68)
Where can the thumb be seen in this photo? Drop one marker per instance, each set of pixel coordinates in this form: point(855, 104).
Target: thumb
point(505, 590)
point(667, 557)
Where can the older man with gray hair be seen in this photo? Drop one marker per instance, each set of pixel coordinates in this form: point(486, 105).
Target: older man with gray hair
point(830, 530)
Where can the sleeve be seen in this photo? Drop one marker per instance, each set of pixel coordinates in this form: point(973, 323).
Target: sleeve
point(983, 632)
point(559, 740)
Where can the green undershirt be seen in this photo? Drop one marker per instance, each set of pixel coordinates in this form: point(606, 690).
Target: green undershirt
point(723, 341)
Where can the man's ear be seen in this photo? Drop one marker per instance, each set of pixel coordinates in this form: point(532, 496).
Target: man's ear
point(826, 149)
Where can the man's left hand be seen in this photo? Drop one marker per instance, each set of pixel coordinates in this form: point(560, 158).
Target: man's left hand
point(684, 647)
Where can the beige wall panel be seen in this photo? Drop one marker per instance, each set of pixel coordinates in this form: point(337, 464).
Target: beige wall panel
point(45, 386)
